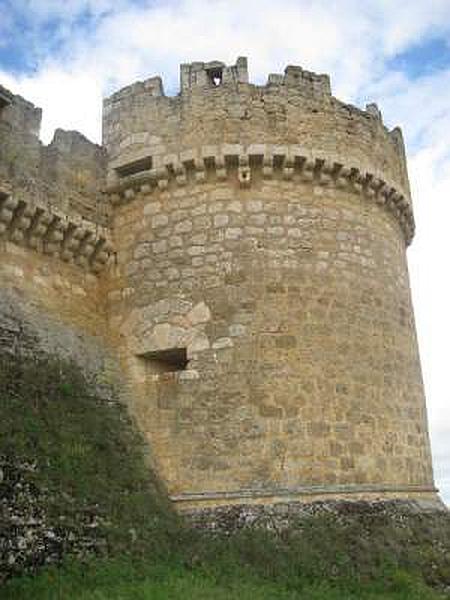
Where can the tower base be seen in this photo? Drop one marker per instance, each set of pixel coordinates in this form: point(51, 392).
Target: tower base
point(277, 516)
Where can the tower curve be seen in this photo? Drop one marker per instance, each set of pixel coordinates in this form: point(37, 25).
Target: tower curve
point(260, 299)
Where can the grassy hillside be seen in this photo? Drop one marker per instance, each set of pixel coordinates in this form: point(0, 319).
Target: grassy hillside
point(75, 491)
point(73, 478)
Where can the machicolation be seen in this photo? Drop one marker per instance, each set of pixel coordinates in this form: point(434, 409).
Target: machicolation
point(233, 260)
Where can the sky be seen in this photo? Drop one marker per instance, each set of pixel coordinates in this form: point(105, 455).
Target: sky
point(65, 56)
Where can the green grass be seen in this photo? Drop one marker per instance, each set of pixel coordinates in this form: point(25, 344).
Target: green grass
point(90, 461)
point(123, 580)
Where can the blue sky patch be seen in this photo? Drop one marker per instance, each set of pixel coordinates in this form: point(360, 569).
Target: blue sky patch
point(422, 59)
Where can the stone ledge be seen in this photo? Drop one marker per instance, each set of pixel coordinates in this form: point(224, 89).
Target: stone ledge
point(290, 494)
point(259, 162)
point(51, 232)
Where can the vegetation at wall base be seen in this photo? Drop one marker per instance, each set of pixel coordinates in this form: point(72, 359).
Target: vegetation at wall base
point(83, 518)
point(129, 579)
point(72, 474)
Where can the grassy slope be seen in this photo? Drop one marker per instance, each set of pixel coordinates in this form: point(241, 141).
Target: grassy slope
point(89, 458)
point(121, 580)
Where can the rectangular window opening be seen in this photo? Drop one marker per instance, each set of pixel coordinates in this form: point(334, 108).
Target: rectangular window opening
point(215, 76)
point(167, 361)
point(137, 166)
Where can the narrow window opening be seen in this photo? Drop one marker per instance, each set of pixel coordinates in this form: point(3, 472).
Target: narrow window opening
point(167, 361)
point(215, 76)
point(137, 166)
point(278, 162)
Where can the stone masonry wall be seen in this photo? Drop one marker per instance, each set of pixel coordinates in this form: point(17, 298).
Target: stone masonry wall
point(260, 294)
point(293, 303)
point(68, 174)
point(247, 274)
point(55, 308)
point(20, 122)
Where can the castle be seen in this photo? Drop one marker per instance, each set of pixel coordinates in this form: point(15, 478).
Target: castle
point(233, 259)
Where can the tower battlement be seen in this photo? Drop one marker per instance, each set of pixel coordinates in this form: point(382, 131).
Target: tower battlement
point(201, 74)
point(144, 129)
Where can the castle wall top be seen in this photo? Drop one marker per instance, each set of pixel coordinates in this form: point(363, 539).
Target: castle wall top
point(50, 196)
point(217, 105)
point(68, 174)
point(19, 116)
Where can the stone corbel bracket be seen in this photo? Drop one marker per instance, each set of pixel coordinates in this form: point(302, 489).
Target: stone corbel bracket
point(51, 232)
point(265, 161)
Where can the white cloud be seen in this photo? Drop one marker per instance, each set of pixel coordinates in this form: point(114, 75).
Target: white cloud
point(352, 40)
point(430, 174)
point(133, 41)
point(71, 100)
point(408, 23)
point(42, 11)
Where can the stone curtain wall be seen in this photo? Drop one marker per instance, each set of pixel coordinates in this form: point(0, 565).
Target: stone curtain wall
point(68, 174)
point(55, 308)
point(20, 122)
point(75, 170)
point(51, 242)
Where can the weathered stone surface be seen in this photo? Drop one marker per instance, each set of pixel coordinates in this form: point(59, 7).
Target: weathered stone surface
point(35, 322)
point(67, 174)
point(199, 314)
point(277, 517)
point(308, 373)
point(29, 537)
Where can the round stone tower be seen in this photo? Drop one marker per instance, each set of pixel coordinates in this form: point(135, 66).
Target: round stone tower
point(260, 299)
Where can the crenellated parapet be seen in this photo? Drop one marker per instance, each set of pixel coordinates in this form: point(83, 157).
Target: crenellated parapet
point(248, 166)
point(51, 197)
point(201, 74)
point(67, 174)
point(218, 106)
